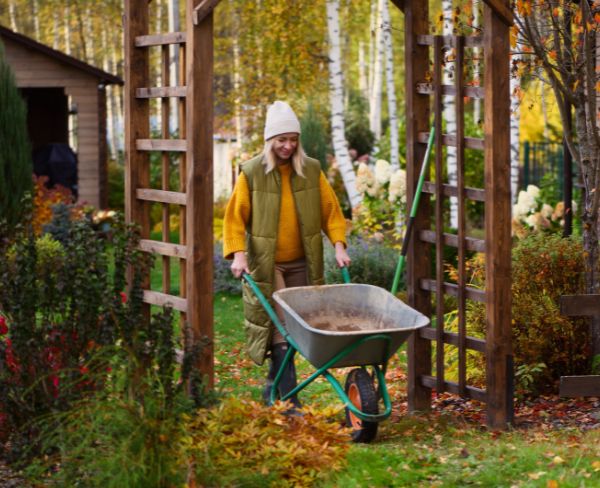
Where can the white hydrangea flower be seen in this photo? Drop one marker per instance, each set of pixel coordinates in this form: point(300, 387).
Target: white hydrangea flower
point(383, 171)
point(533, 190)
point(573, 206)
point(373, 190)
point(397, 188)
point(364, 178)
point(527, 201)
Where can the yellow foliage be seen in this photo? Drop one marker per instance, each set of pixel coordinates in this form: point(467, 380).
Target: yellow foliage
point(532, 127)
point(43, 201)
point(245, 443)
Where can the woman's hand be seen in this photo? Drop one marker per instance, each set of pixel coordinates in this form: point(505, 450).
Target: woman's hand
point(341, 256)
point(240, 264)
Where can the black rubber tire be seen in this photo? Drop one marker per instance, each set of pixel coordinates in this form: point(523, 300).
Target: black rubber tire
point(361, 391)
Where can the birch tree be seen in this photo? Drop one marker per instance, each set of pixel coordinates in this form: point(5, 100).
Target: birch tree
point(376, 88)
point(515, 130)
point(449, 113)
point(386, 27)
point(336, 97)
point(476, 64)
point(566, 53)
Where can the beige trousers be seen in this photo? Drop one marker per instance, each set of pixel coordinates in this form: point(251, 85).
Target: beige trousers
point(288, 275)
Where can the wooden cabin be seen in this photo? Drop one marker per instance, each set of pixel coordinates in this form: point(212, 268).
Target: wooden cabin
point(66, 103)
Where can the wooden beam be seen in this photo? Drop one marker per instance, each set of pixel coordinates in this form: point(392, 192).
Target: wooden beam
point(450, 140)
point(451, 289)
point(163, 299)
point(161, 196)
point(199, 183)
point(416, 22)
point(498, 238)
point(160, 39)
point(175, 145)
point(470, 41)
point(471, 244)
point(475, 194)
point(579, 386)
point(452, 387)
point(453, 339)
point(467, 91)
point(163, 248)
point(204, 8)
point(161, 92)
point(580, 305)
point(501, 9)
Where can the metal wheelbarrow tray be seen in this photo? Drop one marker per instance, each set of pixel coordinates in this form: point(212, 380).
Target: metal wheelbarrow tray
point(326, 320)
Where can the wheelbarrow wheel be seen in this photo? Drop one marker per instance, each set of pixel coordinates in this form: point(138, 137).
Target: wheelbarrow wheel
point(362, 394)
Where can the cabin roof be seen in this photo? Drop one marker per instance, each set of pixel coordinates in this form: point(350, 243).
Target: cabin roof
point(106, 78)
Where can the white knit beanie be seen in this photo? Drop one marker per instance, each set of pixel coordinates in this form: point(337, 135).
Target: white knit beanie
point(280, 120)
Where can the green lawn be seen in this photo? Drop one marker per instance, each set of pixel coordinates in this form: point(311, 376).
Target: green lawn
point(437, 449)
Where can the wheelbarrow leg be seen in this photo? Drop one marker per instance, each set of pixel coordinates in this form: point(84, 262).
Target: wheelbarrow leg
point(287, 381)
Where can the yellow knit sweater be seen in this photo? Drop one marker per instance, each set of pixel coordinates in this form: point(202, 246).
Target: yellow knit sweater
point(289, 242)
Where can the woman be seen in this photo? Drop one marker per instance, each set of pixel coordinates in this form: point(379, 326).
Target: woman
point(272, 230)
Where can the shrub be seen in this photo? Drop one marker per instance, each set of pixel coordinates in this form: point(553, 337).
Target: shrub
point(244, 443)
point(15, 152)
point(62, 302)
point(373, 263)
point(44, 200)
point(546, 344)
point(223, 280)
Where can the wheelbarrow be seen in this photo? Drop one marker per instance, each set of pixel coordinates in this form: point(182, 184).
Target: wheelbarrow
point(339, 326)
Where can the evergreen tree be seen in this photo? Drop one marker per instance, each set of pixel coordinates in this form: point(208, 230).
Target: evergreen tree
point(15, 151)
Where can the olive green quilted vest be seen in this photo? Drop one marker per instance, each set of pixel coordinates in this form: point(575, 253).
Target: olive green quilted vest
point(261, 241)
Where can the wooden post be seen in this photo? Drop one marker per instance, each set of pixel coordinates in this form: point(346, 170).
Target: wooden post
point(497, 219)
point(137, 111)
point(137, 125)
point(199, 186)
point(416, 22)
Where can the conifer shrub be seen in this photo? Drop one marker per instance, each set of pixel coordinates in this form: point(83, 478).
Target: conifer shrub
point(15, 152)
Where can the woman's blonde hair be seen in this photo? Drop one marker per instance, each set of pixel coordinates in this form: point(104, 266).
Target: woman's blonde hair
point(297, 158)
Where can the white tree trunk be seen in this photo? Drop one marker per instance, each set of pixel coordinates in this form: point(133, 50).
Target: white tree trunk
point(56, 30)
point(67, 24)
point(336, 98)
point(237, 86)
point(515, 131)
point(111, 129)
point(386, 26)
point(476, 63)
point(90, 35)
point(174, 26)
point(36, 19)
point(376, 88)
point(449, 114)
point(515, 117)
point(12, 12)
point(363, 81)
point(372, 24)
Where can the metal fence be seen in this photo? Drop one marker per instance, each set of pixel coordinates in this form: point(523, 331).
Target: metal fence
point(543, 165)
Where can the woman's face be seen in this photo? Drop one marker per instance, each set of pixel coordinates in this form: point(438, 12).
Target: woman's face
point(284, 145)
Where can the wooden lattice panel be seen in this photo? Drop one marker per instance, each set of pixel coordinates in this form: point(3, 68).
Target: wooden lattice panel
point(192, 147)
point(425, 91)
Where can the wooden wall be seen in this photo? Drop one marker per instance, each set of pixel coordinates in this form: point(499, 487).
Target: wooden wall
point(34, 69)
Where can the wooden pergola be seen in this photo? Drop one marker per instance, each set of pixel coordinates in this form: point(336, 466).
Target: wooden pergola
point(194, 196)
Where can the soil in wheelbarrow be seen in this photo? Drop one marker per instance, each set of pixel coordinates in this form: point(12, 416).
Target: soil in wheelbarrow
point(347, 321)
